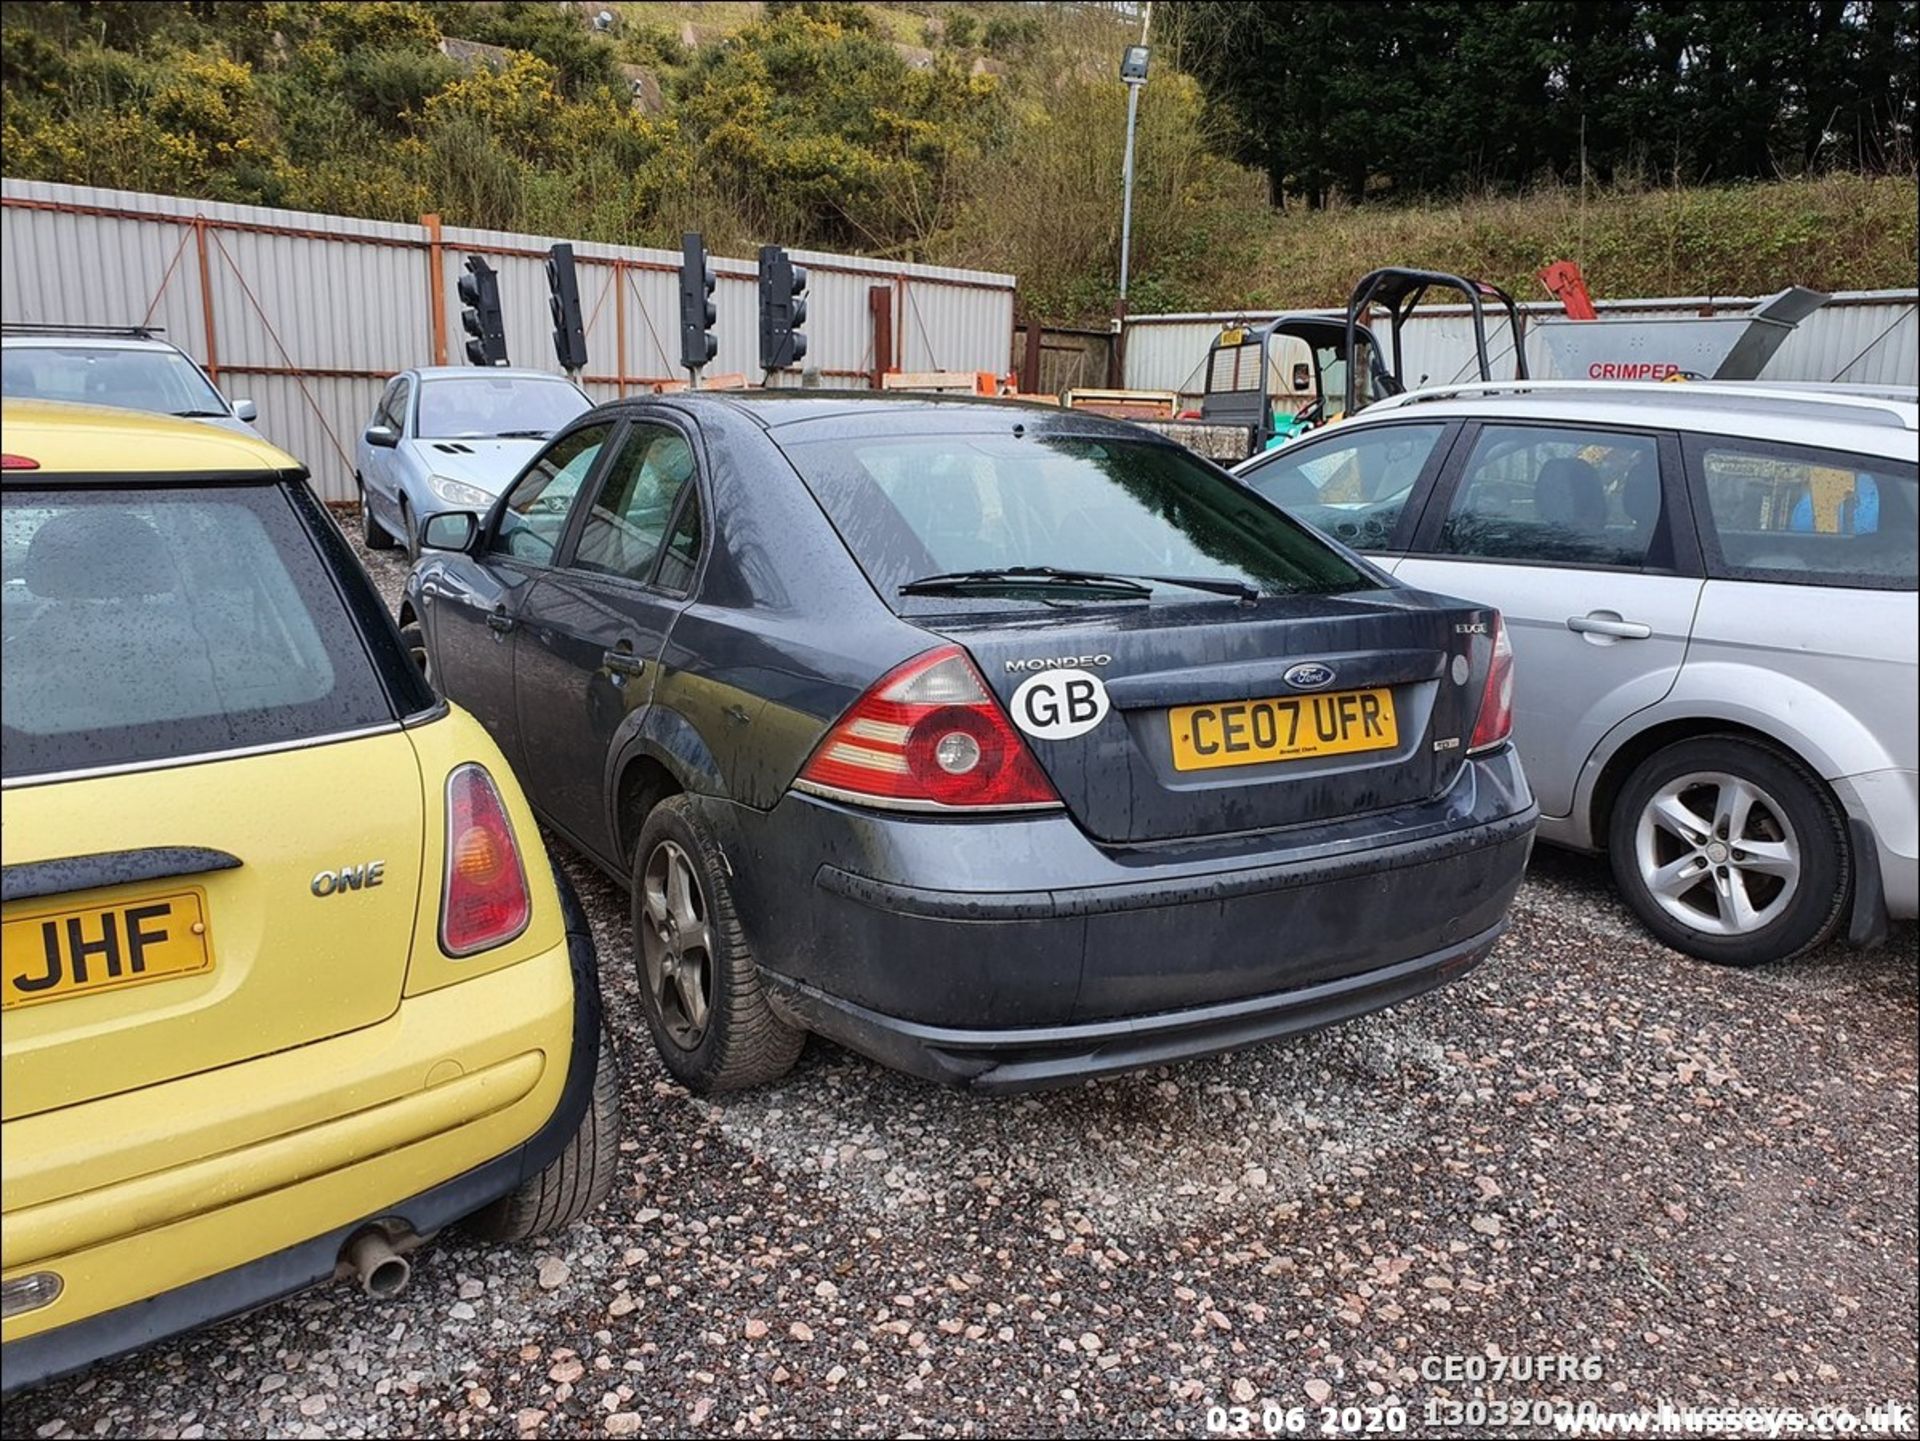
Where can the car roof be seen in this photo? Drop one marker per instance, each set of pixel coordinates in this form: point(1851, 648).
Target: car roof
point(1872, 424)
point(495, 372)
point(777, 409)
point(48, 339)
point(93, 440)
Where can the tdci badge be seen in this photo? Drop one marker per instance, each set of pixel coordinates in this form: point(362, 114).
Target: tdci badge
point(1058, 705)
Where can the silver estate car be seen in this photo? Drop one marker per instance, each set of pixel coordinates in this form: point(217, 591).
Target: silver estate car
point(451, 437)
point(128, 366)
point(1711, 596)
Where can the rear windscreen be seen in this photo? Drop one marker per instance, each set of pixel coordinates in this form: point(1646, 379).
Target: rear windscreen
point(146, 625)
point(909, 507)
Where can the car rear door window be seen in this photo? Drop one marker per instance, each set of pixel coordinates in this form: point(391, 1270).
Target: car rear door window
point(146, 625)
point(534, 518)
point(1811, 517)
point(628, 520)
point(682, 555)
point(1571, 496)
point(1350, 484)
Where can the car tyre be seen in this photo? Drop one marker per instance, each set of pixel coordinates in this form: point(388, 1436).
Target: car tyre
point(415, 639)
point(699, 986)
point(372, 534)
point(411, 539)
point(576, 1180)
point(1731, 850)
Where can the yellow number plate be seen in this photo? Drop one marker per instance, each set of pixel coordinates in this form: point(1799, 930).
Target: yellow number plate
point(52, 954)
point(1252, 732)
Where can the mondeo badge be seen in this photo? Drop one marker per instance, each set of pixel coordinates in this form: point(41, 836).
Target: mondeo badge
point(1311, 676)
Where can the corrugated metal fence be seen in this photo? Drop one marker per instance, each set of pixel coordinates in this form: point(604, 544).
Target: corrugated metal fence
point(1866, 337)
point(308, 315)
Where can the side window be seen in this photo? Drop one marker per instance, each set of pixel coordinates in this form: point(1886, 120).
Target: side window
point(682, 554)
point(1351, 485)
point(628, 522)
point(388, 408)
point(1782, 513)
point(535, 515)
point(1571, 497)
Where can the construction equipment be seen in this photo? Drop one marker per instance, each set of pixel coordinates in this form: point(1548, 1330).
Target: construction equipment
point(1401, 290)
point(1588, 346)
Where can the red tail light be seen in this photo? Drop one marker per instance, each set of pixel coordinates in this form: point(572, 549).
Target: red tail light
point(929, 736)
point(10, 461)
point(484, 901)
point(1496, 701)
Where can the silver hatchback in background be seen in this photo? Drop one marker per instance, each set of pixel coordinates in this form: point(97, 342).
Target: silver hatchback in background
point(1711, 595)
point(452, 437)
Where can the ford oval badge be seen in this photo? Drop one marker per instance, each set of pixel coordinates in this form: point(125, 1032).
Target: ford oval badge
point(1311, 676)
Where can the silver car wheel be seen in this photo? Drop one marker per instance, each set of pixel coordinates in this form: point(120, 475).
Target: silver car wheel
point(1717, 853)
point(676, 944)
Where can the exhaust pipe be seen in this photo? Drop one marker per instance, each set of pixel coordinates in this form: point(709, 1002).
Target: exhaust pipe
point(382, 1271)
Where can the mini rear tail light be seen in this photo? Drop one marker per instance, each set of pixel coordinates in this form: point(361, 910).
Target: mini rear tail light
point(10, 461)
point(1496, 699)
point(484, 901)
point(929, 736)
point(29, 1293)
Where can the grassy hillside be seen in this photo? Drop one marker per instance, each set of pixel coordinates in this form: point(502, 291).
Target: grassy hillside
point(1834, 232)
point(983, 134)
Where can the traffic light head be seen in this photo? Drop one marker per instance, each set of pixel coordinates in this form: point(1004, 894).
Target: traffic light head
point(783, 309)
point(697, 309)
point(480, 295)
point(563, 303)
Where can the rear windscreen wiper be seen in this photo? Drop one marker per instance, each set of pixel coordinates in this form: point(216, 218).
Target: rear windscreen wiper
point(1021, 576)
point(1219, 585)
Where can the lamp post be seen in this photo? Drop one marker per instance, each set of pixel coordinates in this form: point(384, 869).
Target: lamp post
point(1133, 71)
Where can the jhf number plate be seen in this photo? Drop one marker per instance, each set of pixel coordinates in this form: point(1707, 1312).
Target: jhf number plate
point(52, 954)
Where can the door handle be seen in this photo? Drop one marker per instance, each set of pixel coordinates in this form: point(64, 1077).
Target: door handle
point(1609, 625)
point(623, 662)
point(500, 622)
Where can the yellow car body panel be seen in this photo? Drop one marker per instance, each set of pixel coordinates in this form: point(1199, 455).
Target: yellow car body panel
point(65, 438)
point(519, 1018)
point(331, 1066)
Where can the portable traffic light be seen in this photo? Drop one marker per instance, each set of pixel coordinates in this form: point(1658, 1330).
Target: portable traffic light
point(783, 309)
point(480, 294)
point(697, 310)
point(563, 299)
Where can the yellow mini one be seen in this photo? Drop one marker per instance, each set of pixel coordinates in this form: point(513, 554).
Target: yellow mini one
point(289, 982)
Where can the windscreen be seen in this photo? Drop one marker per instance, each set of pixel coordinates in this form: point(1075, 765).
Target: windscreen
point(151, 624)
point(474, 407)
point(909, 507)
point(164, 382)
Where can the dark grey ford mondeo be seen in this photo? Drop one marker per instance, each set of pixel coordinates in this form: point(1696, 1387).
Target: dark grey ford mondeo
point(1006, 745)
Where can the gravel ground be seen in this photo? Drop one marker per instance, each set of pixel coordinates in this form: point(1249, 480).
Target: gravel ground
point(1590, 1147)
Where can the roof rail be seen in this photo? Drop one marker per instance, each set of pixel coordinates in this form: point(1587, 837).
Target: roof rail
point(135, 332)
point(1746, 395)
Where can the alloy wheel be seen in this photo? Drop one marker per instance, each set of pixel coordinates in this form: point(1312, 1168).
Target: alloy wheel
point(676, 944)
point(1717, 853)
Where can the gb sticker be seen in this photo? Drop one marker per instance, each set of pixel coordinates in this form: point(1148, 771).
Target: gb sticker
point(1058, 705)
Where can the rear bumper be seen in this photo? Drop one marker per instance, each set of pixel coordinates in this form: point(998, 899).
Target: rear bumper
point(323, 1210)
point(1033, 1058)
point(919, 941)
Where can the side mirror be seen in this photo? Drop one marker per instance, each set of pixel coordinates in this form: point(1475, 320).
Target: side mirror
point(246, 410)
point(1300, 375)
point(450, 530)
point(384, 436)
